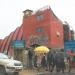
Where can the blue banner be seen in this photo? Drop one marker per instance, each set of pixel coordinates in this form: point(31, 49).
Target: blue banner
point(18, 44)
point(69, 44)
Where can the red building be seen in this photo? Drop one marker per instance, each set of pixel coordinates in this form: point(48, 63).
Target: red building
point(41, 27)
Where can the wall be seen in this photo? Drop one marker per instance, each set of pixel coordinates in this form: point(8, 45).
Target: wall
point(57, 37)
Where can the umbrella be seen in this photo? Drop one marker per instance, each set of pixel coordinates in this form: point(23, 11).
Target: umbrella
point(41, 49)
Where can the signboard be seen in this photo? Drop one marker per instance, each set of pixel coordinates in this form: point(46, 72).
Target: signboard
point(69, 45)
point(18, 44)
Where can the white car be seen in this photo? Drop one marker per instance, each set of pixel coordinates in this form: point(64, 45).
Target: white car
point(9, 65)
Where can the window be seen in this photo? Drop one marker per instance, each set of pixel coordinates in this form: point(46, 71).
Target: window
point(40, 17)
point(39, 29)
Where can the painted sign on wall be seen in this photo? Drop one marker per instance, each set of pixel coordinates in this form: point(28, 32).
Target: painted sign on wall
point(41, 39)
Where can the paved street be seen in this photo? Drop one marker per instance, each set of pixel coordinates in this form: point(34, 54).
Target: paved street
point(57, 74)
point(35, 72)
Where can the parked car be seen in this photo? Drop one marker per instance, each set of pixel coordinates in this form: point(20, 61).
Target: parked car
point(8, 65)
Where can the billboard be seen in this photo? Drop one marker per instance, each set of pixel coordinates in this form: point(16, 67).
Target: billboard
point(69, 44)
point(18, 44)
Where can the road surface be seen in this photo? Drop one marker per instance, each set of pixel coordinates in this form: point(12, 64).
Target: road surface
point(35, 72)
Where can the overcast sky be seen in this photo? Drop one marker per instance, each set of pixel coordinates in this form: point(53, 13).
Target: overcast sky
point(11, 12)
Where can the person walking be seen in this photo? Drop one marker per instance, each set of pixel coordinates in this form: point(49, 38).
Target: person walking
point(53, 60)
point(44, 62)
point(30, 58)
point(49, 60)
point(60, 64)
point(35, 60)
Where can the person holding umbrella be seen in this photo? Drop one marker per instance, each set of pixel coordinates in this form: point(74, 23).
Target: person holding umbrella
point(41, 51)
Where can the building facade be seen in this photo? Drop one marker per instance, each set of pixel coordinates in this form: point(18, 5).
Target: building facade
point(41, 27)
